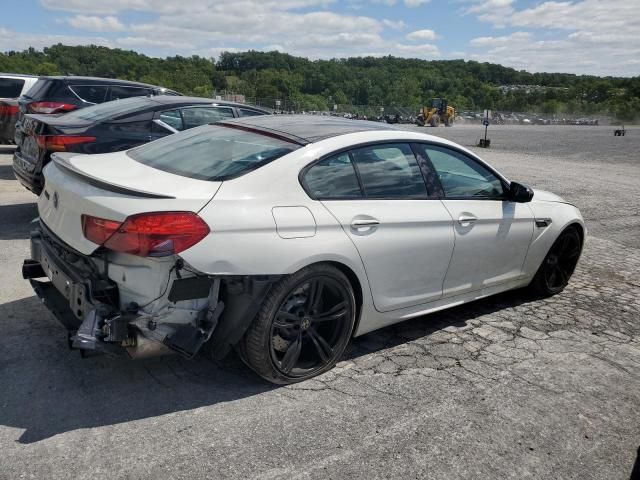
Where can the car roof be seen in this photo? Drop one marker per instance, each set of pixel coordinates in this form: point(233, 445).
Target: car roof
point(307, 128)
point(171, 99)
point(16, 75)
point(116, 81)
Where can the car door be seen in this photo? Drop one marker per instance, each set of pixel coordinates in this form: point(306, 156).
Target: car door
point(403, 235)
point(492, 233)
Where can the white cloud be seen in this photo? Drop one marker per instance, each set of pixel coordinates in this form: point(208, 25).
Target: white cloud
point(141, 42)
point(496, 42)
point(394, 24)
point(95, 23)
point(416, 51)
point(420, 35)
point(415, 3)
point(494, 11)
point(521, 50)
point(587, 36)
point(12, 40)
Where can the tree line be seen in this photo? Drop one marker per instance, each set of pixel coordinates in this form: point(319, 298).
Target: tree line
point(367, 81)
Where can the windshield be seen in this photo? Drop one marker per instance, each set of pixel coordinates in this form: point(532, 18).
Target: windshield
point(107, 110)
point(211, 152)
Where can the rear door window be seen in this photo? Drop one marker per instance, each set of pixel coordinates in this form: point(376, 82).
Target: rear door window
point(333, 178)
point(172, 118)
point(389, 171)
point(11, 87)
point(247, 112)
point(212, 152)
point(90, 93)
point(196, 116)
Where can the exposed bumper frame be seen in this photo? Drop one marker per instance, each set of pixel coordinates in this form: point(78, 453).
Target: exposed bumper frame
point(71, 295)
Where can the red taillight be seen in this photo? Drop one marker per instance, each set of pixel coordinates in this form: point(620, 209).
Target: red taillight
point(59, 143)
point(147, 234)
point(8, 109)
point(98, 230)
point(50, 107)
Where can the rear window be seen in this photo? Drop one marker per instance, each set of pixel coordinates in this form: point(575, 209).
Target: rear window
point(108, 110)
point(11, 87)
point(213, 153)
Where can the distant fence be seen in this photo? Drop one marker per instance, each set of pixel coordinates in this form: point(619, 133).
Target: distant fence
point(408, 113)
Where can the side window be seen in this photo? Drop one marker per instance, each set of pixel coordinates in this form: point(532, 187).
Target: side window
point(333, 178)
point(117, 92)
point(172, 118)
point(389, 171)
point(245, 112)
point(196, 116)
point(90, 93)
point(461, 176)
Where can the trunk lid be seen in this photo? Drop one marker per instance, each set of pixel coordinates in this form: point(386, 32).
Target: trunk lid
point(111, 186)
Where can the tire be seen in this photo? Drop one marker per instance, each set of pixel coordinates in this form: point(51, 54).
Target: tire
point(558, 265)
point(294, 337)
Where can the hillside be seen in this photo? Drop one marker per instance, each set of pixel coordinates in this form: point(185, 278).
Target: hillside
point(318, 84)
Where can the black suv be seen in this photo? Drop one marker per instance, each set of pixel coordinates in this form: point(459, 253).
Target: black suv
point(62, 94)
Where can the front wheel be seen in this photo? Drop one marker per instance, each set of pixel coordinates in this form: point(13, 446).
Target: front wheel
point(303, 326)
point(557, 267)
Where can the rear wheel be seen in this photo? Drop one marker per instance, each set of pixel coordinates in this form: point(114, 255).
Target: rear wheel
point(558, 266)
point(303, 326)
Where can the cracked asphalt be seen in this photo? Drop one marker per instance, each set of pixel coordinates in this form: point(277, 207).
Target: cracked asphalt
point(506, 387)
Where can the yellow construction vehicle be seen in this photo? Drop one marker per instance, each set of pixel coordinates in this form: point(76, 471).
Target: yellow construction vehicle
point(439, 113)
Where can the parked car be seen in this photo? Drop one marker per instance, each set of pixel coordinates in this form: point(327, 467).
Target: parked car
point(112, 126)
point(284, 236)
point(51, 95)
point(12, 86)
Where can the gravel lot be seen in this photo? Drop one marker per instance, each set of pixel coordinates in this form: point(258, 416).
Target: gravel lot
point(506, 387)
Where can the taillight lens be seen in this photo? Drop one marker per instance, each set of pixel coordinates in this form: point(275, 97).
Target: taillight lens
point(60, 143)
point(153, 234)
point(8, 109)
point(98, 230)
point(50, 107)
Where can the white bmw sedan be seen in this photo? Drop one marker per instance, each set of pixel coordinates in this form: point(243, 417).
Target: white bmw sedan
point(283, 237)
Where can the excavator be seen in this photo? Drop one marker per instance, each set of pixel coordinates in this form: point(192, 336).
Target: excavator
point(440, 112)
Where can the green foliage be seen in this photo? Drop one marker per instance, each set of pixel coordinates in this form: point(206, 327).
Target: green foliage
point(365, 81)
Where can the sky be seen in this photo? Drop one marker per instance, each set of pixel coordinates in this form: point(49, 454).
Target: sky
point(599, 37)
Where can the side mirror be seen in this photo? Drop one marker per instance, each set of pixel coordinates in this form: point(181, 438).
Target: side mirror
point(520, 193)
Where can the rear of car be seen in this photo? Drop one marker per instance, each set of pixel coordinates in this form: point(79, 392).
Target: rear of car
point(112, 236)
point(11, 88)
point(55, 95)
point(110, 127)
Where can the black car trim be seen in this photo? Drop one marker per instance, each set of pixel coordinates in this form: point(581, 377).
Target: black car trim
point(64, 163)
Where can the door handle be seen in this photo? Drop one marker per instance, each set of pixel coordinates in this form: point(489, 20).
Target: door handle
point(465, 220)
point(369, 222)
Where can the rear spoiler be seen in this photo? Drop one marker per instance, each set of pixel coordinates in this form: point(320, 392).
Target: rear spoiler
point(62, 160)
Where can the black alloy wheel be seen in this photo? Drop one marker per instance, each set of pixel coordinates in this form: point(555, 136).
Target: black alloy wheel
point(303, 326)
point(559, 264)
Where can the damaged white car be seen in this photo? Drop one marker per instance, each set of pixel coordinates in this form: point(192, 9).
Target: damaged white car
point(283, 237)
